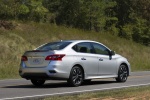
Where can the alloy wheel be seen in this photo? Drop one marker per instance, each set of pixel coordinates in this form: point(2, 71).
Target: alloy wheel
point(76, 76)
point(122, 74)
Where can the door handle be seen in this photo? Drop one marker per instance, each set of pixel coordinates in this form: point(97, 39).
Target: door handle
point(100, 59)
point(83, 59)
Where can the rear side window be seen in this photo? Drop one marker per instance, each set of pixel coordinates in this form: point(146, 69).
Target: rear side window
point(54, 46)
point(84, 47)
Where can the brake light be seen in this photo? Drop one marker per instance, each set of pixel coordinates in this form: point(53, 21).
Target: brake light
point(55, 57)
point(24, 58)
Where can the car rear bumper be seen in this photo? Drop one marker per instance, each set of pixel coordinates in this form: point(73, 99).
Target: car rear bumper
point(48, 72)
point(29, 76)
point(52, 74)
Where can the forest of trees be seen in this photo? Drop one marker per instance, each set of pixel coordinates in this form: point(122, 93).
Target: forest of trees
point(129, 19)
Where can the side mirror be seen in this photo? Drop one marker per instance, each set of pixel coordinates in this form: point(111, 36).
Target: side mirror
point(112, 53)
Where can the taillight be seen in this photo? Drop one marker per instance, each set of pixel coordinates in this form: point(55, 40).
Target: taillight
point(55, 57)
point(24, 58)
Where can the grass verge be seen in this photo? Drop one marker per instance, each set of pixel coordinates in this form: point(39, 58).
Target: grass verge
point(135, 93)
point(26, 36)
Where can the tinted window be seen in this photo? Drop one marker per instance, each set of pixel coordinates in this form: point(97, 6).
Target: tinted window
point(83, 47)
point(54, 46)
point(100, 49)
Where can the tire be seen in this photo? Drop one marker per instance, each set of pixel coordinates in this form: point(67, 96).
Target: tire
point(76, 77)
point(122, 74)
point(37, 82)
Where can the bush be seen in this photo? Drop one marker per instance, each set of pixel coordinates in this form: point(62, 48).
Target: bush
point(126, 32)
point(141, 35)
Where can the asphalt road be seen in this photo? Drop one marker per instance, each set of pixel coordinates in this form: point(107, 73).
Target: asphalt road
point(23, 89)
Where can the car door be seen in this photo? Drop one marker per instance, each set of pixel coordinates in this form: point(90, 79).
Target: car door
point(88, 60)
point(107, 63)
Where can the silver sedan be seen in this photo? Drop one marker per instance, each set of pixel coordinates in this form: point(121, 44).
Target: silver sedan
point(76, 61)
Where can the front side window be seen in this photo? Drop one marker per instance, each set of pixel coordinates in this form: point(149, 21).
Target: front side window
point(100, 49)
point(84, 47)
point(54, 46)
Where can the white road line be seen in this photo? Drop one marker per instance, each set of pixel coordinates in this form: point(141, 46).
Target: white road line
point(24, 97)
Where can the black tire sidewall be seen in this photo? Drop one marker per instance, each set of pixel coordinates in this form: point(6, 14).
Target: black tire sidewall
point(119, 78)
point(70, 81)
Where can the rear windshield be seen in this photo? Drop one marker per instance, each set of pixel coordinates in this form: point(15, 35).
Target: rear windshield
point(54, 46)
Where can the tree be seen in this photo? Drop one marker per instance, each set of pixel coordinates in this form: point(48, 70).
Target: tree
point(37, 10)
point(123, 10)
point(9, 9)
point(85, 14)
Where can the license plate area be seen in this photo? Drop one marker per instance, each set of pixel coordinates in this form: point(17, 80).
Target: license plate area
point(37, 60)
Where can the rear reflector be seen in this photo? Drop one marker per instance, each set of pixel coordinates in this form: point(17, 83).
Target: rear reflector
point(55, 57)
point(24, 58)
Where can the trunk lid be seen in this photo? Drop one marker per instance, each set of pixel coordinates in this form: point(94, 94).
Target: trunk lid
point(36, 58)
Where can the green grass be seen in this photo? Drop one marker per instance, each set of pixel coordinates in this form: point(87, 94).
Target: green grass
point(134, 93)
point(26, 36)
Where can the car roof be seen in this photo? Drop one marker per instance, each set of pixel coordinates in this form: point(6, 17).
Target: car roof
point(77, 41)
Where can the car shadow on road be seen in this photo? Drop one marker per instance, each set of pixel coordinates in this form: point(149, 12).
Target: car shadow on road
point(61, 84)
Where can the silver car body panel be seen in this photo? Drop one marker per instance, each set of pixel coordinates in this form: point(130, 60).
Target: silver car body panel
point(94, 65)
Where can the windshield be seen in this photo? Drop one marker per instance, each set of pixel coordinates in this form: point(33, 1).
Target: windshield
point(54, 46)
